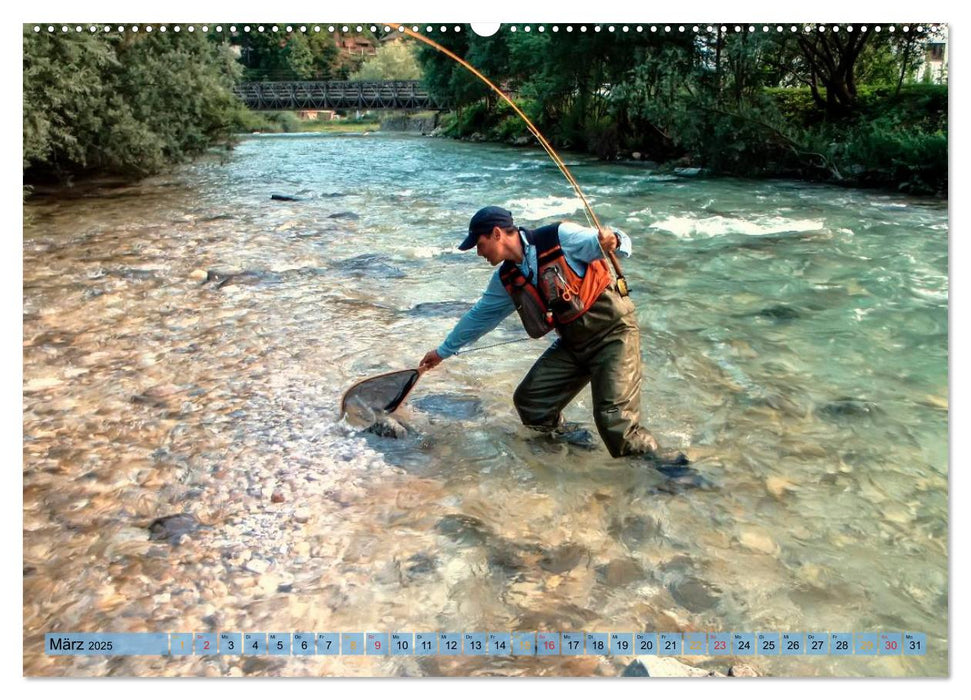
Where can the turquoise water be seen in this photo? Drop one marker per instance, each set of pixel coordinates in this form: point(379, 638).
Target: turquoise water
point(794, 339)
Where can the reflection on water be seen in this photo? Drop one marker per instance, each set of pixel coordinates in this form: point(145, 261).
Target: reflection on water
point(187, 341)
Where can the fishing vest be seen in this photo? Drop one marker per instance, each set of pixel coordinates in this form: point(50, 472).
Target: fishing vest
point(559, 295)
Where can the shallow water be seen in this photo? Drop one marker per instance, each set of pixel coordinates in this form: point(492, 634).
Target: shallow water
point(794, 338)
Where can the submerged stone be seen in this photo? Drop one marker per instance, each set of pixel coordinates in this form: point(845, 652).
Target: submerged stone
point(505, 560)
point(563, 558)
point(688, 172)
point(437, 309)
point(780, 312)
point(285, 197)
point(848, 407)
point(464, 529)
point(620, 572)
point(634, 531)
point(171, 527)
point(370, 265)
point(132, 274)
point(758, 540)
point(247, 277)
point(420, 564)
point(450, 405)
point(694, 595)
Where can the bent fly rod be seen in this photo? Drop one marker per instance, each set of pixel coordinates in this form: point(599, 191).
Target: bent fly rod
point(622, 286)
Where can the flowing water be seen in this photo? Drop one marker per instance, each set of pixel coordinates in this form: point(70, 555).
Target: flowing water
point(794, 340)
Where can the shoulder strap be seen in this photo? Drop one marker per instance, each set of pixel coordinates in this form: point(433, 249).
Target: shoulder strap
point(545, 237)
point(547, 242)
point(506, 271)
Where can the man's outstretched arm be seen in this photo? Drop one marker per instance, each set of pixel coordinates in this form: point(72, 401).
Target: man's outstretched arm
point(494, 305)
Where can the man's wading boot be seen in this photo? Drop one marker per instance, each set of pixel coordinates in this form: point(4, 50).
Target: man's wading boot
point(650, 452)
point(574, 434)
point(674, 465)
point(663, 460)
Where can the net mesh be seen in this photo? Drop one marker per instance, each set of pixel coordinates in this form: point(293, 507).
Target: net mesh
point(370, 399)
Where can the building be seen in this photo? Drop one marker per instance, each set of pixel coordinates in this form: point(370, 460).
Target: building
point(355, 44)
point(935, 62)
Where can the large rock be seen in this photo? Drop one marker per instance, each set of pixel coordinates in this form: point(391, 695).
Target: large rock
point(170, 528)
point(635, 670)
point(742, 671)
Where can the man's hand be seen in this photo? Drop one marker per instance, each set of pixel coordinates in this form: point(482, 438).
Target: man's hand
point(609, 240)
point(429, 361)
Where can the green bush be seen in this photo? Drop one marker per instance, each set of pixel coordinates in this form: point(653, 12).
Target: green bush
point(510, 128)
point(284, 122)
point(795, 105)
point(123, 105)
point(474, 118)
point(885, 152)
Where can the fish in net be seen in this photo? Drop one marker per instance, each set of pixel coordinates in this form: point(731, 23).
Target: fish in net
point(371, 400)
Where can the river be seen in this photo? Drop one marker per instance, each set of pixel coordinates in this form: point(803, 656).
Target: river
point(794, 341)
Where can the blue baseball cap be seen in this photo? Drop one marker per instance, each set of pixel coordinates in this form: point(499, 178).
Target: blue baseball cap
point(483, 222)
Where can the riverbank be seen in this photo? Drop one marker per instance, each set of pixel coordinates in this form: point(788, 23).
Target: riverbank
point(894, 140)
point(423, 123)
point(289, 122)
point(856, 163)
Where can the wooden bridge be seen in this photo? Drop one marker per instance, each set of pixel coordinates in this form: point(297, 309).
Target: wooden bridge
point(336, 94)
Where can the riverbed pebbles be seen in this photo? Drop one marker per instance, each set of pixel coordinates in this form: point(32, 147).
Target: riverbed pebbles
point(184, 468)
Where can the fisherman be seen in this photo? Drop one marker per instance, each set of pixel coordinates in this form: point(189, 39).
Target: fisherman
point(557, 277)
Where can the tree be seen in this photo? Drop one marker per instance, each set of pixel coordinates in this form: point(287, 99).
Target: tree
point(830, 59)
point(125, 105)
point(395, 60)
point(64, 90)
point(325, 53)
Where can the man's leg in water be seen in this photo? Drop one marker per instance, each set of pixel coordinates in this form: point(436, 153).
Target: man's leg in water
point(552, 382)
point(615, 367)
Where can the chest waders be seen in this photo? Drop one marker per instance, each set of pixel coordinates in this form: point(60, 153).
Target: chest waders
point(599, 344)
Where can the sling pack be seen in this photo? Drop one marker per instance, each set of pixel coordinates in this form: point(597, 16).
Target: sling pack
point(561, 295)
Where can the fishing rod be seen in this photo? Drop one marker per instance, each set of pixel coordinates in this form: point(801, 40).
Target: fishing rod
point(403, 381)
point(592, 219)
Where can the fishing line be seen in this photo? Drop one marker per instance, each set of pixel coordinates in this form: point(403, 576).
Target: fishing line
point(588, 210)
point(494, 345)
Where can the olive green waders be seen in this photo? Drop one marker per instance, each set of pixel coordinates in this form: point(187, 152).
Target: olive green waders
point(601, 347)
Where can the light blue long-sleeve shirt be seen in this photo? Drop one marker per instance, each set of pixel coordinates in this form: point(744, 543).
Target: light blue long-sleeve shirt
point(580, 246)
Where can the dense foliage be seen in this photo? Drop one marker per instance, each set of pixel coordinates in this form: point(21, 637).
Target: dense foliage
point(123, 104)
point(393, 61)
point(276, 54)
point(843, 106)
point(852, 107)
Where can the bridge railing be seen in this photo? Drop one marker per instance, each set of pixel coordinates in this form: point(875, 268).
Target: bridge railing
point(336, 94)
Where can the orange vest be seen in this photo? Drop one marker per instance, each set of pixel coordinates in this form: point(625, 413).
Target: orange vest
point(560, 295)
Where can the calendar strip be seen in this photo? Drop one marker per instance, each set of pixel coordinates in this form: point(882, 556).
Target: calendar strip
point(487, 644)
